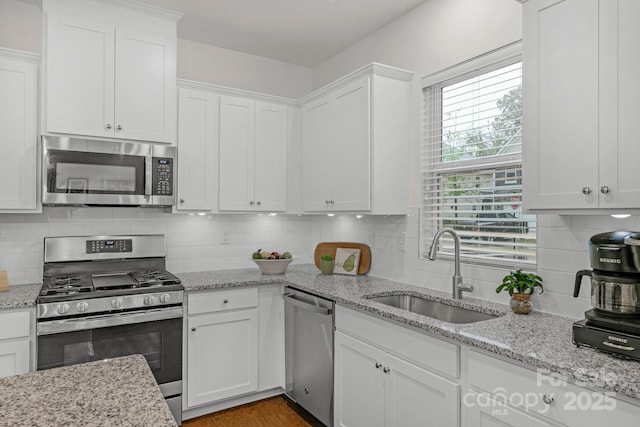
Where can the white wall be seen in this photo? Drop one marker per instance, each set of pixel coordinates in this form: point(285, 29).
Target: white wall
point(20, 26)
point(212, 64)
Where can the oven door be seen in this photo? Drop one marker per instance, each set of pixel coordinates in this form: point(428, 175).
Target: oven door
point(156, 334)
point(91, 172)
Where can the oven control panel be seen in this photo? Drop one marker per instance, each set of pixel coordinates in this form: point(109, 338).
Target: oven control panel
point(109, 246)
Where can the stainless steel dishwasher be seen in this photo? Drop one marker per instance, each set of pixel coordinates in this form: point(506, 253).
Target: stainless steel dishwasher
point(309, 352)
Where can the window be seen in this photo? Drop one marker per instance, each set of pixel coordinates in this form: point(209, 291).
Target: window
point(472, 161)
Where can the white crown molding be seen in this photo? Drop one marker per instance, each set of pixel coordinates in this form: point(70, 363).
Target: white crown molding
point(20, 55)
point(373, 68)
point(147, 8)
point(223, 90)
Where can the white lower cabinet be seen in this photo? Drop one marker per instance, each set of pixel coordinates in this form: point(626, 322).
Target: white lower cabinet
point(507, 394)
point(234, 344)
point(15, 342)
point(377, 385)
point(477, 411)
point(223, 355)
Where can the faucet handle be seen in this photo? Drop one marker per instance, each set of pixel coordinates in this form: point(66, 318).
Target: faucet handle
point(465, 287)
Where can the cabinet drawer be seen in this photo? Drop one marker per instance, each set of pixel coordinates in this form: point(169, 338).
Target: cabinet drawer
point(14, 325)
point(526, 388)
point(419, 348)
point(221, 300)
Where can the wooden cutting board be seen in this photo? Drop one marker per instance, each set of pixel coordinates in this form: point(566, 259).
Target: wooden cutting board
point(325, 248)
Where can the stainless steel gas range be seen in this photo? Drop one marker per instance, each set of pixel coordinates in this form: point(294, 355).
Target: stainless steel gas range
point(111, 296)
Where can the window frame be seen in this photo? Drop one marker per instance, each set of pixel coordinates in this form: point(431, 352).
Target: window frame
point(432, 168)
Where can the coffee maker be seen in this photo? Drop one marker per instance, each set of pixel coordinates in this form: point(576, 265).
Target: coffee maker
point(613, 324)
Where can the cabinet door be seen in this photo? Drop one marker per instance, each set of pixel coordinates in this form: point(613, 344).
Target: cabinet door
point(561, 104)
point(619, 94)
point(270, 177)
point(145, 86)
point(350, 156)
point(413, 392)
point(359, 383)
point(18, 140)
point(222, 356)
point(317, 170)
point(237, 135)
point(197, 150)
point(14, 358)
point(479, 412)
point(79, 73)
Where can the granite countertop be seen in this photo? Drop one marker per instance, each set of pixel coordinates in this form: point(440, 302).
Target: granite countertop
point(19, 296)
point(114, 392)
point(539, 340)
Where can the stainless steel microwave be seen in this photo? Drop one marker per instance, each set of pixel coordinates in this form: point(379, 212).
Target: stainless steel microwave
point(89, 172)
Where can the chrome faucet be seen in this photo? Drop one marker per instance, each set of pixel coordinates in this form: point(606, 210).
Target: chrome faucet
point(458, 286)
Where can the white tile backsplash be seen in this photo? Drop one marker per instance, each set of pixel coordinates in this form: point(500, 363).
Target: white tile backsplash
point(214, 242)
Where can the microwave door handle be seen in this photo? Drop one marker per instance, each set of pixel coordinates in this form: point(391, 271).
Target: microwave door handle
point(148, 176)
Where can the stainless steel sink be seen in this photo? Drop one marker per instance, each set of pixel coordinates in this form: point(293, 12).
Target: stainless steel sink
point(435, 309)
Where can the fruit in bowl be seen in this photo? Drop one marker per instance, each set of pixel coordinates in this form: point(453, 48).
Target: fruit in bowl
point(272, 262)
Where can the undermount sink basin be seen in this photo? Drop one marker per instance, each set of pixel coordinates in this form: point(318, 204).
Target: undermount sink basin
point(430, 308)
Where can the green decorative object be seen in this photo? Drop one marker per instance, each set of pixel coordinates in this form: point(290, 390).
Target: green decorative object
point(326, 264)
point(520, 286)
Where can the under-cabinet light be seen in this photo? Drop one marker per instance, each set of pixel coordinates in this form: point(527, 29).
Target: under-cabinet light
point(621, 215)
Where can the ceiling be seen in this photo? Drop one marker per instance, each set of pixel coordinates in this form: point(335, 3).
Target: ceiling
point(302, 32)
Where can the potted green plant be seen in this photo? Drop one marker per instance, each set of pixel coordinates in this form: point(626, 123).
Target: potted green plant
point(326, 264)
point(520, 286)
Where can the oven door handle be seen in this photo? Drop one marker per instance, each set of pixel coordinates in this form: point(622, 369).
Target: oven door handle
point(107, 320)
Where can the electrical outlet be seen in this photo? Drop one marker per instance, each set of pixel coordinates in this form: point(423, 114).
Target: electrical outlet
point(225, 238)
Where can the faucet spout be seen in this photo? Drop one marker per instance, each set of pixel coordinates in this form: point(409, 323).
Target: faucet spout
point(457, 285)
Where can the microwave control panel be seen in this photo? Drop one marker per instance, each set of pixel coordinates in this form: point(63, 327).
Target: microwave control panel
point(162, 176)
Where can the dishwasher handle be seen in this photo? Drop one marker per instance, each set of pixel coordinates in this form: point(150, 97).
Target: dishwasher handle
point(290, 299)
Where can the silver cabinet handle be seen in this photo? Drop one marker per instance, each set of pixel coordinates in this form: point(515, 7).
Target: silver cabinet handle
point(604, 189)
point(108, 126)
point(118, 127)
point(326, 202)
point(193, 329)
point(378, 365)
point(547, 399)
point(181, 201)
point(258, 203)
point(225, 300)
point(251, 202)
point(586, 191)
point(386, 369)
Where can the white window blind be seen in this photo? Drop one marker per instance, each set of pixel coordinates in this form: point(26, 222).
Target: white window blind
point(471, 165)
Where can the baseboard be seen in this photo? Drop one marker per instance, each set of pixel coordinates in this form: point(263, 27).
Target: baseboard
point(199, 411)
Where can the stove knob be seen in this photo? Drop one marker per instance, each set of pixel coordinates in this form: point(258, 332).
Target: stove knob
point(149, 300)
point(117, 302)
point(63, 308)
point(164, 298)
point(82, 306)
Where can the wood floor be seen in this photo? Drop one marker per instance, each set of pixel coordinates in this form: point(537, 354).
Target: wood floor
point(272, 412)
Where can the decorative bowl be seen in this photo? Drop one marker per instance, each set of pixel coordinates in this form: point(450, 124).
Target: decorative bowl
point(273, 266)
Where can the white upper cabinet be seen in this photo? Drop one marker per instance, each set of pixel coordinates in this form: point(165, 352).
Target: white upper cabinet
point(355, 136)
point(110, 71)
point(253, 155)
point(197, 150)
point(580, 89)
point(18, 134)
